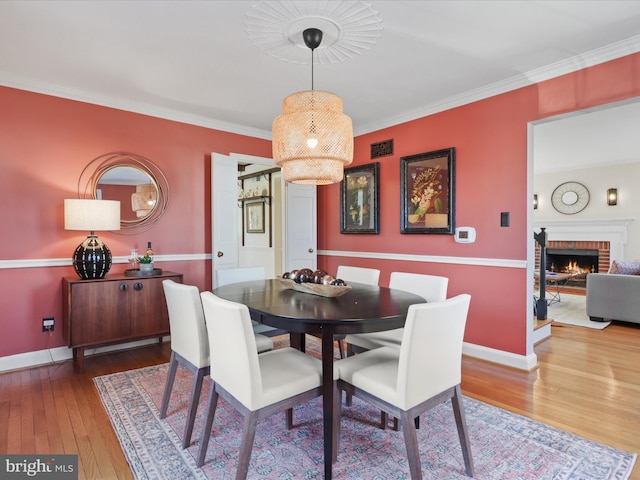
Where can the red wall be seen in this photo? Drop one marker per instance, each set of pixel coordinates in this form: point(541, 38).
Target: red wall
point(45, 142)
point(490, 137)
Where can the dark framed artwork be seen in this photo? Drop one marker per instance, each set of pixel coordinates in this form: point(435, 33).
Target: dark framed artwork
point(427, 183)
point(360, 199)
point(255, 217)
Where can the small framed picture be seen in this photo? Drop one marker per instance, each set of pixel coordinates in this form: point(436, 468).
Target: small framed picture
point(360, 199)
point(255, 217)
point(427, 203)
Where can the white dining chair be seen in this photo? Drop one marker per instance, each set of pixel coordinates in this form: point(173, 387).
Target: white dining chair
point(425, 371)
point(432, 288)
point(190, 346)
point(227, 276)
point(271, 382)
point(368, 276)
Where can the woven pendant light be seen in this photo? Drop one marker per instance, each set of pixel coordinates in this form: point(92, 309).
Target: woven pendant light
point(312, 139)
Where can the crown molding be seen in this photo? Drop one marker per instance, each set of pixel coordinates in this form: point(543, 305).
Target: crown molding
point(578, 62)
point(13, 81)
point(573, 64)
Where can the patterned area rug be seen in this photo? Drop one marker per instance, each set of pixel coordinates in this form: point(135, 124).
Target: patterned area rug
point(504, 445)
point(572, 310)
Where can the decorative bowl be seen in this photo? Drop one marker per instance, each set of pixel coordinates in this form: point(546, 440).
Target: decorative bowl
point(316, 289)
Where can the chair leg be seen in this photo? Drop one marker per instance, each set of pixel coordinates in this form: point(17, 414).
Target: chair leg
point(348, 398)
point(396, 424)
point(341, 348)
point(171, 376)
point(208, 422)
point(384, 419)
point(463, 433)
point(337, 397)
point(411, 444)
point(246, 445)
point(289, 418)
point(193, 405)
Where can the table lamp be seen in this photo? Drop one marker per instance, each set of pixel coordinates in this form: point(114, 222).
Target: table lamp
point(92, 258)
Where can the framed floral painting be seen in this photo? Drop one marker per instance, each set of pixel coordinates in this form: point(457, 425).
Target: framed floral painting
point(360, 199)
point(427, 192)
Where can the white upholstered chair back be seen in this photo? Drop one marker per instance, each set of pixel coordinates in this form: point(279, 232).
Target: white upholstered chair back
point(369, 276)
point(186, 322)
point(430, 359)
point(430, 287)
point(234, 357)
point(242, 274)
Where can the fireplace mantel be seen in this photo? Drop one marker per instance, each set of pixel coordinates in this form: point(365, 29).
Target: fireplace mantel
point(612, 230)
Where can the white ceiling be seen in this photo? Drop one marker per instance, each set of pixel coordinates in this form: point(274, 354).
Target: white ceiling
point(194, 61)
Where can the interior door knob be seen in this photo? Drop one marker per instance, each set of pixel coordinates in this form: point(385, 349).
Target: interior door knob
point(311, 250)
point(220, 254)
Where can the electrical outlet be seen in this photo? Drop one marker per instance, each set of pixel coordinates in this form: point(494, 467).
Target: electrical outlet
point(47, 324)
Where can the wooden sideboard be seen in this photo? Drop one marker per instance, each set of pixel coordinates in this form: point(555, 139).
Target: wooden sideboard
point(113, 309)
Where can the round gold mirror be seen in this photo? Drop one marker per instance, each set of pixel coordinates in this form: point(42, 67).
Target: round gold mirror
point(135, 188)
point(135, 181)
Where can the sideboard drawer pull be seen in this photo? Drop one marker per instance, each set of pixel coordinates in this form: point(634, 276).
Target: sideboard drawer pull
point(123, 287)
point(137, 286)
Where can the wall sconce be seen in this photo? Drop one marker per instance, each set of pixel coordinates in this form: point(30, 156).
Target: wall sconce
point(612, 196)
point(535, 201)
point(92, 258)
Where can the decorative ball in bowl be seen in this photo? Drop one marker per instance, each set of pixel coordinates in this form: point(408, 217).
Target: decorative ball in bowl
point(316, 282)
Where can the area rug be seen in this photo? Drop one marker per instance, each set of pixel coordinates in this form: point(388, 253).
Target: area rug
point(504, 445)
point(572, 310)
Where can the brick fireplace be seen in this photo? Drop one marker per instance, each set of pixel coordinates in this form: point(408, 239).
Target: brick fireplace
point(577, 257)
point(608, 237)
point(603, 250)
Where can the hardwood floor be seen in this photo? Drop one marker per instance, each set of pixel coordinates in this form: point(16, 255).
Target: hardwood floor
point(588, 383)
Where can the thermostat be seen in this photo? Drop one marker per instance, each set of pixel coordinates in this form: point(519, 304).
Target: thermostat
point(465, 235)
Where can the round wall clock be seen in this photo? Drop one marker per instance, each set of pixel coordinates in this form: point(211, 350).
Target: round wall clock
point(570, 197)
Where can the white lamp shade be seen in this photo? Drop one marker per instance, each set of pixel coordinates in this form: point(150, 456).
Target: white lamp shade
point(91, 215)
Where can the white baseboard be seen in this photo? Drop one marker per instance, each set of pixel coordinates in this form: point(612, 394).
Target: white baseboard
point(55, 355)
point(521, 362)
point(541, 333)
point(60, 354)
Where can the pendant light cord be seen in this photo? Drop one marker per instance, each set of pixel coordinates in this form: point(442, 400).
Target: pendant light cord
point(312, 69)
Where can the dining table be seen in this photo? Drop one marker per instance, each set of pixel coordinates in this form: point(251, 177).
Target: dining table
point(362, 309)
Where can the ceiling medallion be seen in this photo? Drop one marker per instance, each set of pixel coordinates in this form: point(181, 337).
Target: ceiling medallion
point(349, 29)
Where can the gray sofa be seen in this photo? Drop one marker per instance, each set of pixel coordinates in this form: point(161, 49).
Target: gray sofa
point(613, 296)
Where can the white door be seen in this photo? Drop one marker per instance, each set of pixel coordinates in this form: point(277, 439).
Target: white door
point(224, 213)
point(301, 227)
point(299, 212)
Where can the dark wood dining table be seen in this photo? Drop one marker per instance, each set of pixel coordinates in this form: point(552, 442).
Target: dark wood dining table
point(362, 309)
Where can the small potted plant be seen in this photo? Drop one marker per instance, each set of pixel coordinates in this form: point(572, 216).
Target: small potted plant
point(146, 264)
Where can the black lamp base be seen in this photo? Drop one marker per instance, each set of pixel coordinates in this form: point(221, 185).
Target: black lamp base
point(92, 259)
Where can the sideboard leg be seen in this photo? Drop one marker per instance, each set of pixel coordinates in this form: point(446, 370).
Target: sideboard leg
point(79, 357)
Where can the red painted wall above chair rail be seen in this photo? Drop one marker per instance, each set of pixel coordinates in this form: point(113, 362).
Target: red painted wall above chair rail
point(490, 137)
point(46, 143)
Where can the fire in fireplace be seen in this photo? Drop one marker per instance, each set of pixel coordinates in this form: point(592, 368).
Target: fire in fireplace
point(578, 262)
